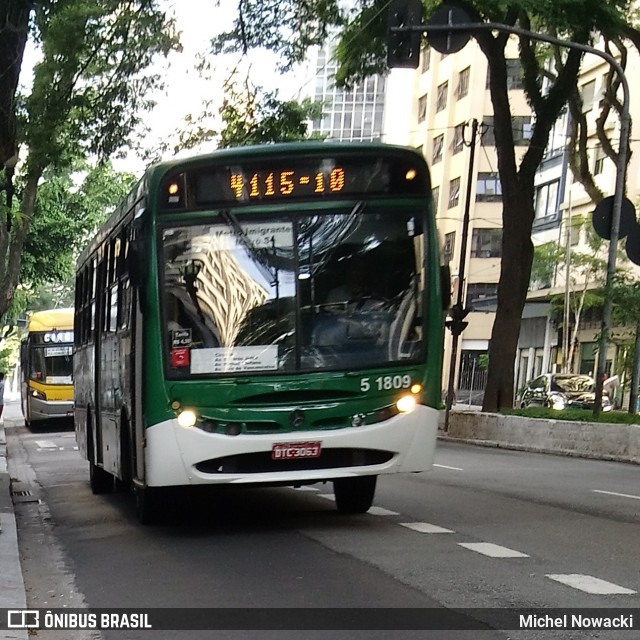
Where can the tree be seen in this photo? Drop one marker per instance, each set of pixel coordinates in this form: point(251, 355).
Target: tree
point(248, 115)
point(65, 216)
point(88, 92)
point(362, 51)
point(14, 26)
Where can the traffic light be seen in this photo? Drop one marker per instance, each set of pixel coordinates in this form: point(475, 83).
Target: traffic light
point(404, 47)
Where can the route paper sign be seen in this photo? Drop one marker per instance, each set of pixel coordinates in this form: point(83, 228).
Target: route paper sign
point(235, 359)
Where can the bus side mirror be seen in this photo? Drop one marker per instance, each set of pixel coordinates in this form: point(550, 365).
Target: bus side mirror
point(445, 286)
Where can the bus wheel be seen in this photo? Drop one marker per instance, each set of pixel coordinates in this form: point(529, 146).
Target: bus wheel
point(100, 480)
point(354, 495)
point(149, 505)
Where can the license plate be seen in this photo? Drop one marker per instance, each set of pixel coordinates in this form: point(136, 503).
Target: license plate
point(295, 450)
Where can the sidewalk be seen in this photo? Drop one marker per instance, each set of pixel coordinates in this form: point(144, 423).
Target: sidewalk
point(12, 591)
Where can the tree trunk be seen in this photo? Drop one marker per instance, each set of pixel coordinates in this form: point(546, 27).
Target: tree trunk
point(515, 271)
point(11, 244)
point(635, 376)
point(14, 25)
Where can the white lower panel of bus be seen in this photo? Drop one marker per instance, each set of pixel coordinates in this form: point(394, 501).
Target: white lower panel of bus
point(174, 453)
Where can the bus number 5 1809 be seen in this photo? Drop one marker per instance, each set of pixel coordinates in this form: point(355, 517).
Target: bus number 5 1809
point(386, 383)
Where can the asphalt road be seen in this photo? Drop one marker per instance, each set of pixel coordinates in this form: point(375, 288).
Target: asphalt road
point(486, 528)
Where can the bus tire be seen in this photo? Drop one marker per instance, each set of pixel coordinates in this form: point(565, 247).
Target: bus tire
point(150, 505)
point(354, 495)
point(100, 480)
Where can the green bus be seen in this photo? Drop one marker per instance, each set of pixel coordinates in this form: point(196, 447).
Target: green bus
point(267, 315)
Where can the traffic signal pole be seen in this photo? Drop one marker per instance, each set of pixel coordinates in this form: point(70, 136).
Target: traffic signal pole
point(458, 312)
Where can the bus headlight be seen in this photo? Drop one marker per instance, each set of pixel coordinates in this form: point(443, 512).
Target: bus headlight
point(40, 395)
point(187, 418)
point(406, 404)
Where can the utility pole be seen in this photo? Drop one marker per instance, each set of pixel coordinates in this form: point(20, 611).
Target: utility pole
point(458, 312)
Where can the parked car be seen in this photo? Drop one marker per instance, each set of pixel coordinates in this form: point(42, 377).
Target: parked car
point(562, 391)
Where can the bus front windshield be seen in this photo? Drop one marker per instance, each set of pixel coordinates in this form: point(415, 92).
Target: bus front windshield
point(303, 292)
point(52, 365)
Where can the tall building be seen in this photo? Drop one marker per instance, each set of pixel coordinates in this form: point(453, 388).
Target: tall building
point(350, 115)
point(432, 110)
point(449, 92)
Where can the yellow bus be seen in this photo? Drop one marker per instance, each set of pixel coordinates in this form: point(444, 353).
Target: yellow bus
point(46, 362)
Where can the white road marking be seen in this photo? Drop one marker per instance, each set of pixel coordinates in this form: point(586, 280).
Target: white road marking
point(75, 448)
point(425, 527)
point(492, 550)
point(444, 466)
point(46, 444)
point(620, 495)
point(327, 496)
point(379, 511)
point(589, 584)
point(306, 488)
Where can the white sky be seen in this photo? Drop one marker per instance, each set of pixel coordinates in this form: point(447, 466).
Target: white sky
point(199, 21)
point(185, 91)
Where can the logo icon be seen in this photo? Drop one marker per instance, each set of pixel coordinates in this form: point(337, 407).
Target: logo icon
point(296, 418)
point(23, 618)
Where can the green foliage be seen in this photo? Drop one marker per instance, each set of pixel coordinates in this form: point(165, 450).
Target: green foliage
point(251, 117)
point(546, 258)
point(89, 88)
point(94, 78)
point(287, 27)
point(64, 217)
point(9, 352)
point(575, 415)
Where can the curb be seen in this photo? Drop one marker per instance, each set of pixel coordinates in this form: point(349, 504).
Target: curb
point(12, 590)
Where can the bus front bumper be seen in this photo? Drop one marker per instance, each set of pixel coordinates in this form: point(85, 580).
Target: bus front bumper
point(175, 456)
point(49, 409)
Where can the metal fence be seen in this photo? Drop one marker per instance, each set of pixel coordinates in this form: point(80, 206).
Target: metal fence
point(472, 379)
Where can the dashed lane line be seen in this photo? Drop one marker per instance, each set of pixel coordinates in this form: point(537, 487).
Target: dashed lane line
point(424, 527)
point(589, 584)
point(444, 466)
point(379, 511)
point(492, 550)
point(614, 493)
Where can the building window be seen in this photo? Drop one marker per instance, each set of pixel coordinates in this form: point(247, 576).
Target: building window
point(588, 91)
point(547, 199)
point(458, 138)
point(426, 59)
point(486, 243)
point(441, 102)
point(479, 293)
point(514, 74)
point(449, 246)
point(522, 129)
point(600, 157)
point(520, 125)
point(454, 192)
point(435, 193)
point(422, 108)
point(438, 143)
point(463, 83)
point(488, 187)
